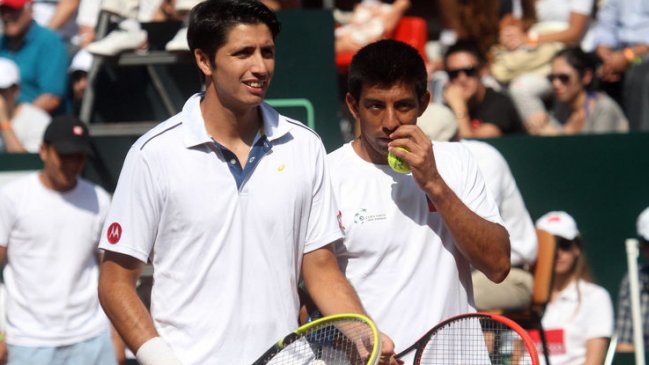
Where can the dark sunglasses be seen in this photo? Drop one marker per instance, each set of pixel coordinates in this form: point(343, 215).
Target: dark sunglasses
point(469, 72)
point(563, 78)
point(564, 244)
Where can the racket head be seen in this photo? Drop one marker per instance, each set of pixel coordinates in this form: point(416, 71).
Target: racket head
point(476, 339)
point(351, 339)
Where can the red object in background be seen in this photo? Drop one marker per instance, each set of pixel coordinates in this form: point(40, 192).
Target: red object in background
point(410, 29)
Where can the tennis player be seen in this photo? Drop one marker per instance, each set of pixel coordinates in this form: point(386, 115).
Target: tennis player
point(231, 202)
point(410, 239)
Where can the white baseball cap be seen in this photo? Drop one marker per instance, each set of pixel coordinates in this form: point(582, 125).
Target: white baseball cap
point(643, 224)
point(559, 224)
point(438, 123)
point(9, 73)
point(81, 61)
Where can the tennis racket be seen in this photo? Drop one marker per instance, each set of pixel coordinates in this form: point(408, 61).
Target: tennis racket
point(475, 339)
point(343, 339)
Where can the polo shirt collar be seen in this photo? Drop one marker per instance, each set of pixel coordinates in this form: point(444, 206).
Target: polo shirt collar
point(195, 133)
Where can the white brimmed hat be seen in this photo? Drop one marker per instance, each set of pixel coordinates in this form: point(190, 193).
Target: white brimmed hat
point(9, 73)
point(81, 61)
point(559, 224)
point(643, 224)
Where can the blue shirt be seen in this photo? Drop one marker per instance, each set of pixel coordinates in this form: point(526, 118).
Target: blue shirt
point(622, 23)
point(43, 63)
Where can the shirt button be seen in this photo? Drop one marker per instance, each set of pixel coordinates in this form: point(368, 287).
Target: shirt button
point(233, 161)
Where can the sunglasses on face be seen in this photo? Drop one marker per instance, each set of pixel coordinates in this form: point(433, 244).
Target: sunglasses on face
point(469, 72)
point(564, 244)
point(563, 78)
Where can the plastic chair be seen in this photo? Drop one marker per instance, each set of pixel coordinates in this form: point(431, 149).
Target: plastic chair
point(530, 318)
point(410, 29)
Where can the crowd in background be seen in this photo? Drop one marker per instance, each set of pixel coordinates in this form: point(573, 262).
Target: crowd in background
point(496, 68)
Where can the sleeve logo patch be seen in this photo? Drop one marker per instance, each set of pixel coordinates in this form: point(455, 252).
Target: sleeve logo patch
point(114, 233)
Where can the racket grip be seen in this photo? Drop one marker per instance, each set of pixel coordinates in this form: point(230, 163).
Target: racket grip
point(156, 352)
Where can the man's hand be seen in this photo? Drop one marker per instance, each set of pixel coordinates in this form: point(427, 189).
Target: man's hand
point(419, 154)
point(388, 357)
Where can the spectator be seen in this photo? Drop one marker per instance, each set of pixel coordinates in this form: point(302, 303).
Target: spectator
point(624, 323)
point(21, 125)
point(50, 223)
point(577, 108)
point(623, 46)
point(39, 54)
point(410, 239)
point(515, 292)
point(78, 72)
point(58, 15)
point(524, 53)
point(480, 111)
point(187, 198)
point(370, 21)
point(578, 320)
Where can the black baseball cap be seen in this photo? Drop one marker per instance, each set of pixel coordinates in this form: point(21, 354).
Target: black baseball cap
point(68, 135)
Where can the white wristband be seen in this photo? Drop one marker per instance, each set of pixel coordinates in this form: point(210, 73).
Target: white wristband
point(156, 352)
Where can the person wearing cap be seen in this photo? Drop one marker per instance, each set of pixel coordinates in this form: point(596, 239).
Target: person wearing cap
point(578, 320)
point(39, 53)
point(50, 222)
point(78, 72)
point(623, 322)
point(515, 292)
point(411, 237)
point(21, 125)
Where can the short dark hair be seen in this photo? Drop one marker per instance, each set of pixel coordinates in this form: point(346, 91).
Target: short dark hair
point(211, 20)
point(467, 46)
point(387, 62)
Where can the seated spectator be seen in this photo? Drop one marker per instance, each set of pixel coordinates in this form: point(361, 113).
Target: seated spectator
point(623, 323)
point(481, 111)
point(39, 53)
point(522, 57)
point(78, 72)
point(58, 15)
point(370, 21)
point(578, 320)
point(577, 108)
point(623, 45)
point(21, 125)
point(515, 292)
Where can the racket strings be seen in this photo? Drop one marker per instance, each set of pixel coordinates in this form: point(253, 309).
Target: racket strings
point(347, 342)
point(474, 341)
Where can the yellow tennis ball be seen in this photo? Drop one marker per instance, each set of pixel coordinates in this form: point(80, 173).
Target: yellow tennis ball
point(398, 164)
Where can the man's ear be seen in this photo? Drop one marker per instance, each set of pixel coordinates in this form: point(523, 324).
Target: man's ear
point(352, 105)
point(203, 62)
point(423, 103)
point(587, 78)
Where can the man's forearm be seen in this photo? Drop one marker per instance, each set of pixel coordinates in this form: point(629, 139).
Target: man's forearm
point(124, 307)
point(484, 244)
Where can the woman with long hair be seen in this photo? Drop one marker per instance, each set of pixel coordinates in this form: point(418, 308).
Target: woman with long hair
point(578, 321)
point(577, 107)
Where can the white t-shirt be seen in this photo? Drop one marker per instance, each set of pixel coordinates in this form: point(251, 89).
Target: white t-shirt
point(559, 10)
point(502, 186)
point(226, 260)
point(399, 256)
point(51, 273)
point(581, 312)
point(29, 126)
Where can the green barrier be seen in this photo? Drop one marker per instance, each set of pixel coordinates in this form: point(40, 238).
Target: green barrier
point(601, 180)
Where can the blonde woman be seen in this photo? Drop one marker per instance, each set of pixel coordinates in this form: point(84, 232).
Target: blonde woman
point(578, 321)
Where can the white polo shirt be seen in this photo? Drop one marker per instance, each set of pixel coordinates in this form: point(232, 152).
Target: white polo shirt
point(226, 259)
point(398, 253)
